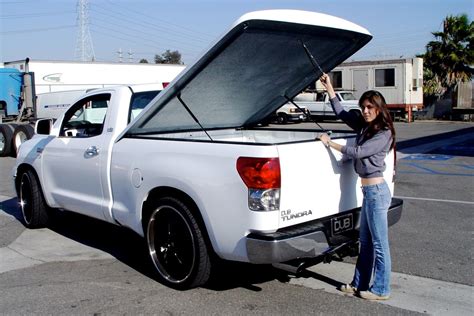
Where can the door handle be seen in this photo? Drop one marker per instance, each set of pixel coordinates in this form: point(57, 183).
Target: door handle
point(92, 151)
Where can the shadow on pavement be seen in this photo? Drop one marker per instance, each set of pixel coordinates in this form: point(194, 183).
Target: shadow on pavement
point(464, 148)
point(10, 207)
point(130, 248)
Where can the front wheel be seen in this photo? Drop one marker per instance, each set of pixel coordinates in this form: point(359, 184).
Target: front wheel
point(176, 245)
point(32, 203)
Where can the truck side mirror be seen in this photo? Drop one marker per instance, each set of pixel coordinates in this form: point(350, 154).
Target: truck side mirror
point(43, 126)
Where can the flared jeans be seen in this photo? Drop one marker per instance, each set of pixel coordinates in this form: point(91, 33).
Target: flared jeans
point(374, 253)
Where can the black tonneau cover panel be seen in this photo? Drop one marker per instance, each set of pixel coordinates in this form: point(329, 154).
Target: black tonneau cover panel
point(250, 71)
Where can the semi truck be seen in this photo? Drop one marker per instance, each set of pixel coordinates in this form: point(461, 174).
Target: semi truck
point(28, 94)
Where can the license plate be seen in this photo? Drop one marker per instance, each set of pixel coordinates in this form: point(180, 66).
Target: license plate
point(342, 224)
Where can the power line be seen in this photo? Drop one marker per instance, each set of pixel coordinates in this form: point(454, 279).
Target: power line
point(146, 25)
point(154, 18)
point(38, 29)
point(33, 15)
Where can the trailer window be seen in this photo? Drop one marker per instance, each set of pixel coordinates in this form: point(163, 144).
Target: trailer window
point(336, 79)
point(86, 117)
point(385, 77)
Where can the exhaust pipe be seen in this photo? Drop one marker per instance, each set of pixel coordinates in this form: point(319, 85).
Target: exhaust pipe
point(297, 266)
point(293, 268)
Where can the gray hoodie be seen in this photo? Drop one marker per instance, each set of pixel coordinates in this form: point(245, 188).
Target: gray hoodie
point(368, 153)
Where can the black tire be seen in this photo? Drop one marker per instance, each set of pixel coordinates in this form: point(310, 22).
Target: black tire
point(22, 133)
point(32, 203)
point(282, 118)
point(176, 245)
point(6, 136)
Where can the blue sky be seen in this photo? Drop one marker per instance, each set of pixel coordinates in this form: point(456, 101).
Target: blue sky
point(47, 29)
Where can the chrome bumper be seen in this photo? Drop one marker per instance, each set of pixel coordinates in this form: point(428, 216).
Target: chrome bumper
point(309, 240)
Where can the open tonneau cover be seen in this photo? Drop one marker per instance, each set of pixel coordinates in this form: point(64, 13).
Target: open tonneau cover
point(252, 70)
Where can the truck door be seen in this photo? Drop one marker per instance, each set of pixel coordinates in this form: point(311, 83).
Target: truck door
point(327, 109)
point(75, 162)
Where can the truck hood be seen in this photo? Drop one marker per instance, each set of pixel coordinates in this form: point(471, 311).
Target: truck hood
point(252, 70)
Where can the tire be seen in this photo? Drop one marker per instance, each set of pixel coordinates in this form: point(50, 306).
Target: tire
point(6, 136)
point(282, 118)
point(22, 133)
point(32, 203)
point(176, 245)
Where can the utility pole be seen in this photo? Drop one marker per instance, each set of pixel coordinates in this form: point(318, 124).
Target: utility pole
point(84, 47)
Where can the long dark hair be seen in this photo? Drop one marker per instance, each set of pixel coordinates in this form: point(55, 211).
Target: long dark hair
point(383, 119)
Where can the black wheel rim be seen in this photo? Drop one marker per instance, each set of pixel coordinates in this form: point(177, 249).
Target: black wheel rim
point(25, 198)
point(171, 244)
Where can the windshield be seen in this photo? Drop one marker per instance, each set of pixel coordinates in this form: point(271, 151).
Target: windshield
point(347, 96)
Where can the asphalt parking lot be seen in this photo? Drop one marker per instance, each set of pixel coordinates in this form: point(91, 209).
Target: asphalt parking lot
point(82, 266)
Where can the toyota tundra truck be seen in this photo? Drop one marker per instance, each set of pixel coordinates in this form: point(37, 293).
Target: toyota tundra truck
point(190, 170)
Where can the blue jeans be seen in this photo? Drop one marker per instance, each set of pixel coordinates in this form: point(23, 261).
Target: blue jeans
point(373, 234)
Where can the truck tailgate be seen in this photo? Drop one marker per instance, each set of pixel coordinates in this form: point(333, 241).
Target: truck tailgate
point(316, 182)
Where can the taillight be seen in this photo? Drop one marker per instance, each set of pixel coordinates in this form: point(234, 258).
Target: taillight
point(263, 180)
point(259, 173)
point(165, 84)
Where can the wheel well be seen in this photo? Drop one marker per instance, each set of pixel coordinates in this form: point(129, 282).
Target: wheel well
point(156, 193)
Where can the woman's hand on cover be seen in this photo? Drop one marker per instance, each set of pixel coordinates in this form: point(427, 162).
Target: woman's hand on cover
point(325, 139)
point(326, 82)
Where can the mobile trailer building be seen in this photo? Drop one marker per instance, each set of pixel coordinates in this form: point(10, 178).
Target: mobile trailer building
point(52, 76)
point(399, 80)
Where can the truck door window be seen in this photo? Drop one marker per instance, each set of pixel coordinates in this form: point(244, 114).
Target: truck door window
point(320, 97)
point(86, 118)
point(139, 101)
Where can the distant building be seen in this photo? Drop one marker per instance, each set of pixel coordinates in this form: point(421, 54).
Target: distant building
point(399, 80)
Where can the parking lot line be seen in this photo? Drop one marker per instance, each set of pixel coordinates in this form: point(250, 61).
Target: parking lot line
point(435, 200)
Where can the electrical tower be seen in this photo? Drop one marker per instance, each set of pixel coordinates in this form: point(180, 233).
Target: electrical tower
point(84, 47)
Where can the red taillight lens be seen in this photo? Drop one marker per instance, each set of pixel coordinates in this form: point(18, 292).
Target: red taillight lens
point(165, 84)
point(259, 173)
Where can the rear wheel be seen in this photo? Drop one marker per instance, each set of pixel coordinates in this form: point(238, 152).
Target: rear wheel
point(32, 203)
point(22, 133)
point(6, 135)
point(176, 245)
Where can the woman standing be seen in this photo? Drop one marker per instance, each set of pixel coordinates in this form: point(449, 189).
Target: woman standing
point(375, 138)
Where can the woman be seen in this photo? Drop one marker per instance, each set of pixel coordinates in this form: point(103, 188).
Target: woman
point(375, 138)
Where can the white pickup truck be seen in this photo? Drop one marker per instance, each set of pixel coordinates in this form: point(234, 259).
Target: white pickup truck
point(192, 173)
point(319, 106)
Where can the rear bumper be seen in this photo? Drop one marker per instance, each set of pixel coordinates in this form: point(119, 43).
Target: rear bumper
point(308, 240)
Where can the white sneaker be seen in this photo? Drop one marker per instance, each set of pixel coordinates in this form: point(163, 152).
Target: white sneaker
point(348, 288)
point(373, 297)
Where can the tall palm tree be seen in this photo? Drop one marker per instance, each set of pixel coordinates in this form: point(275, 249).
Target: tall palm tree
point(449, 59)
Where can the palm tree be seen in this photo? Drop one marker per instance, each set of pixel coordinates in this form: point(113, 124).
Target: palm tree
point(449, 59)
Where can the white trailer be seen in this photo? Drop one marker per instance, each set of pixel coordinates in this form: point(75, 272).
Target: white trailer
point(399, 80)
point(33, 89)
point(52, 76)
